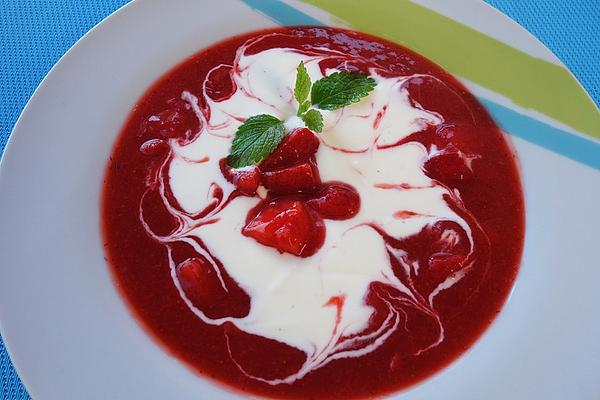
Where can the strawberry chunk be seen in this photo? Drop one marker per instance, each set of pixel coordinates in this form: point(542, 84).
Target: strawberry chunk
point(298, 146)
point(336, 201)
point(297, 178)
point(154, 147)
point(443, 264)
point(450, 167)
point(220, 84)
point(203, 288)
point(198, 280)
point(444, 98)
point(287, 225)
point(246, 179)
point(177, 121)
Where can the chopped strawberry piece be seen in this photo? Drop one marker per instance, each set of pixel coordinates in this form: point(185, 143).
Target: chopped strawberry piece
point(154, 147)
point(208, 286)
point(246, 179)
point(200, 283)
point(173, 122)
point(336, 201)
point(439, 250)
point(287, 225)
point(297, 178)
point(449, 167)
point(443, 264)
point(458, 136)
point(196, 277)
point(220, 84)
point(298, 146)
point(435, 95)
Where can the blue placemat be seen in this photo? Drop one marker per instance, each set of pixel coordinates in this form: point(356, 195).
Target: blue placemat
point(34, 34)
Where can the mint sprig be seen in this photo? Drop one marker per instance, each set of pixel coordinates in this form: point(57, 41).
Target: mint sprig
point(302, 89)
point(332, 92)
point(341, 89)
point(260, 135)
point(255, 139)
point(313, 120)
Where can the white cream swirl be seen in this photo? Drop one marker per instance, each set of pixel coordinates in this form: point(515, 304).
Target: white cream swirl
point(291, 296)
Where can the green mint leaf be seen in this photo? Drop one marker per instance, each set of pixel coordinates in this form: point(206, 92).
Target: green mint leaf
point(313, 120)
point(303, 108)
point(341, 89)
point(302, 87)
point(254, 140)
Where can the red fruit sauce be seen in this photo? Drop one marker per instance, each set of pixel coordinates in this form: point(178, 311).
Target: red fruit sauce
point(291, 219)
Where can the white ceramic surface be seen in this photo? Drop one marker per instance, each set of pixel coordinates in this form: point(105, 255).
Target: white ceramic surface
point(70, 334)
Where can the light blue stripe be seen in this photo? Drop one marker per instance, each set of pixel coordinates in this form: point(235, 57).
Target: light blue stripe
point(282, 13)
point(578, 148)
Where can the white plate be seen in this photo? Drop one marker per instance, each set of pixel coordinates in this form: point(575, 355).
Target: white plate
point(68, 331)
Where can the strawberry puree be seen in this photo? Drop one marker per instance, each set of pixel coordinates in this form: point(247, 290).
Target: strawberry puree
point(348, 264)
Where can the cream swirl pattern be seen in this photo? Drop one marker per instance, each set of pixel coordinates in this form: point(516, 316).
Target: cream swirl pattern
point(319, 304)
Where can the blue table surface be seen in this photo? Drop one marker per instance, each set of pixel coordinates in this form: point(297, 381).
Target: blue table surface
point(35, 33)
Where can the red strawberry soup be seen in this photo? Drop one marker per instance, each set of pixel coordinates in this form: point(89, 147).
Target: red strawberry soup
point(312, 213)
